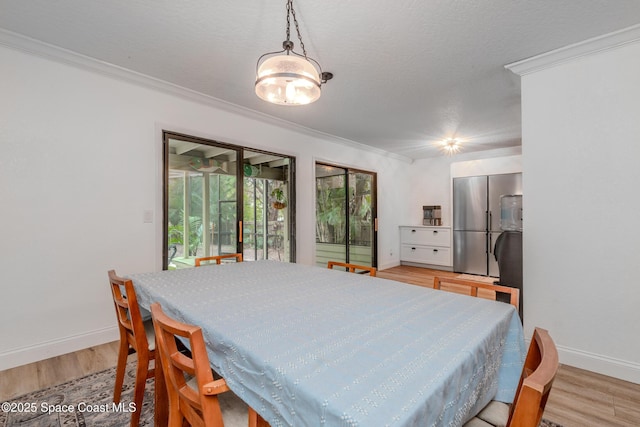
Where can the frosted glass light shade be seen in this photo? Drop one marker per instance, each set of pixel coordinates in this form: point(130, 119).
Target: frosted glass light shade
point(288, 80)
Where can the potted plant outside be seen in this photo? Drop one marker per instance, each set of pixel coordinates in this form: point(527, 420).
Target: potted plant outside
point(280, 201)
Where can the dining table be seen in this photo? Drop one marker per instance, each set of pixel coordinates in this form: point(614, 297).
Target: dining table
point(309, 346)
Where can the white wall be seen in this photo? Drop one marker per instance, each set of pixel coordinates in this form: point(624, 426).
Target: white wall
point(581, 153)
point(80, 163)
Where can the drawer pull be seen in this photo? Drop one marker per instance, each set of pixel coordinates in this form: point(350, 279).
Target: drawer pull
point(413, 231)
point(435, 231)
point(435, 250)
point(413, 249)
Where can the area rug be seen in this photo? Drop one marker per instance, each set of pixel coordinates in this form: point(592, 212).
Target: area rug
point(88, 402)
point(91, 400)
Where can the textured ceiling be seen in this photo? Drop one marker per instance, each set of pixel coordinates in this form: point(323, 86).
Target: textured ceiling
point(408, 73)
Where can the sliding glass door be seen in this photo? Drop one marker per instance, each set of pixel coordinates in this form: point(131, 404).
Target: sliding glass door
point(345, 215)
point(268, 206)
point(219, 199)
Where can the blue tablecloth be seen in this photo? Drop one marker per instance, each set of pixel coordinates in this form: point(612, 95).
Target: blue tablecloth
point(307, 346)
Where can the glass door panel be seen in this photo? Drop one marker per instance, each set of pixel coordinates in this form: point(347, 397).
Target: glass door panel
point(201, 199)
point(267, 206)
point(253, 230)
point(361, 219)
point(345, 216)
point(331, 215)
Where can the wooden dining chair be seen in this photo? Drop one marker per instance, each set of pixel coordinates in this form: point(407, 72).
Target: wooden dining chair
point(538, 373)
point(353, 268)
point(218, 258)
point(136, 336)
point(192, 390)
point(471, 287)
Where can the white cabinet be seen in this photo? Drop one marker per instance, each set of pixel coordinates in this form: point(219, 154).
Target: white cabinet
point(425, 245)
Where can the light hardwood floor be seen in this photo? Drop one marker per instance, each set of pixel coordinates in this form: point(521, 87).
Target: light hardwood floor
point(579, 398)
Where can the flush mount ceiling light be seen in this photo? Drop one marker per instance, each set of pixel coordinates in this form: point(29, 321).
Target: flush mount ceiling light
point(286, 77)
point(451, 146)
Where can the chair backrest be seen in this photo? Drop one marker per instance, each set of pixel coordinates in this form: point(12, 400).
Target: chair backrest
point(353, 268)
point(199, 406)
point(218, 258)
point(128, 312)
point(538, 373)
point(474, 286)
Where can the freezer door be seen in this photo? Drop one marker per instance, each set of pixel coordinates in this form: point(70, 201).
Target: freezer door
point(470, 203)
point(470, 252)
point(500, 185)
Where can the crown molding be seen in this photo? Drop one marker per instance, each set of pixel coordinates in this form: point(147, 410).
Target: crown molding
point(41, 49)
point(585, 48)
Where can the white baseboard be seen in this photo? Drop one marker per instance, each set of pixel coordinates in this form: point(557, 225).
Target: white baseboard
point(388, 265)
point(34, 353)
point(622, 369)
point(431, 266)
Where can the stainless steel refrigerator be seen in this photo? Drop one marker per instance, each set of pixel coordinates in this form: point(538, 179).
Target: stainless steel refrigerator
point(476, 220)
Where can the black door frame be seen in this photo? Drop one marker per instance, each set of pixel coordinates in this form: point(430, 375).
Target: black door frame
point(167, 135)
point(374, 206)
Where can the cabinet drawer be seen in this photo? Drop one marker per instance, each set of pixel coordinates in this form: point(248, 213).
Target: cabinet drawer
point(426, 236)
point(425, 254)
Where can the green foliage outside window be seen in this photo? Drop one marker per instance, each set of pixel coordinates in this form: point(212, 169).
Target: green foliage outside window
point(222, 189)
point(331, 215)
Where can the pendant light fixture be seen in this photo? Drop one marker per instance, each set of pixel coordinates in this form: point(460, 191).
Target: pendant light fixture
point(286, 77)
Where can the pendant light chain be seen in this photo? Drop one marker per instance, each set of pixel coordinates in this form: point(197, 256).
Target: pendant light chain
point(288, 20)
point(292, 12)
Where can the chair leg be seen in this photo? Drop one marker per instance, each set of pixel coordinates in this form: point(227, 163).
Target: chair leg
point(176, 417)
point(253, 418)
point(138, 391)
point(256, 420)
point(123, 352)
